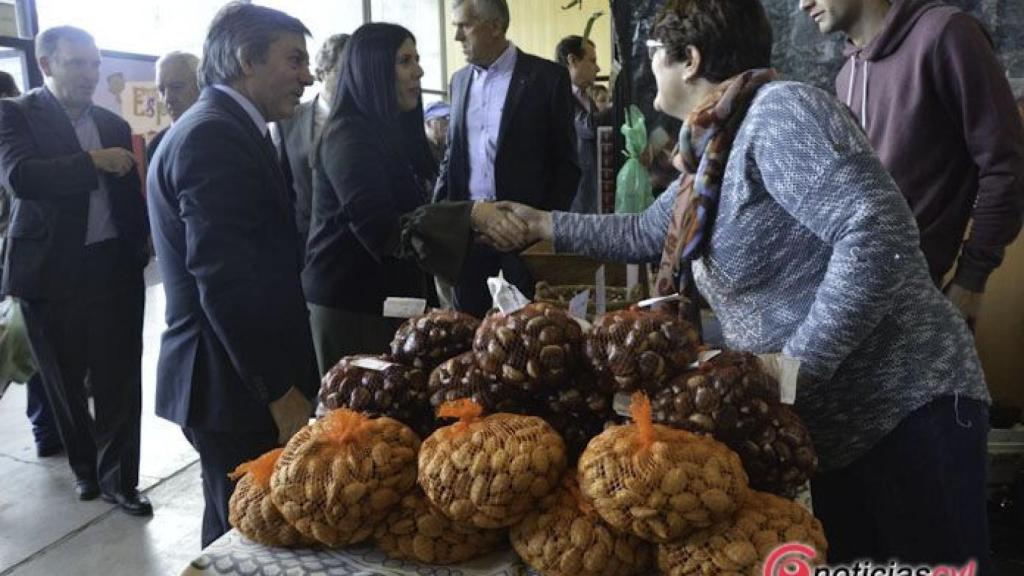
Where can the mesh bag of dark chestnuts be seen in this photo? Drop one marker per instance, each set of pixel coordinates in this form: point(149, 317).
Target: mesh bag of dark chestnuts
point(374, 385)
point(534, 348)
point(732, 398)
point(641, 350)
point(460, 377)
point(428, 340)
point(580, 410)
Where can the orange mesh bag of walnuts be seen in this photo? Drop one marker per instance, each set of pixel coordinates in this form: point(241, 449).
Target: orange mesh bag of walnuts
point(490, 471)
point(418, 531)
point(740, 546)
point(428, 340)
point(251, 510)
point(339, 477)
point(568, 539)
point(535, 348)
point(657, 482)
point(641, 350)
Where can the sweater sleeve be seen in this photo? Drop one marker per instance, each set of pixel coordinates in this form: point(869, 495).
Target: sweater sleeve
point(973, 89)
point(636, 238)
point(819, 167)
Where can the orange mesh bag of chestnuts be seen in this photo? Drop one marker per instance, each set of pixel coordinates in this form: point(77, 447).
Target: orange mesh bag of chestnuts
point(428, 340)
point(640, 350)
point(534, 348)
point(657, 482)
point(251, 510)
point(568, 538)
point(339, 477)
point(418, 531)
point(490, 471)
point(739, 547)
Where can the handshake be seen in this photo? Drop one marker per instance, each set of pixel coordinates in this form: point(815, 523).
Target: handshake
point(509, 226)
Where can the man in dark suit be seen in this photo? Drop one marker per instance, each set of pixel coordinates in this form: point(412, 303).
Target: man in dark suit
point(296, 136)
point(511, 138)
point(178, 85)
point(236, 368)
point(76, 248)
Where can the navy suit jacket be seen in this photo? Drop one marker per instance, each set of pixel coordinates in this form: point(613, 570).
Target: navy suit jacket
point(50, 179)
point(237, 333)
point(536, 161)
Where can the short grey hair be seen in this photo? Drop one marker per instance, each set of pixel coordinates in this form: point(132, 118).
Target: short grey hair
point(47, 40)
point(489, 10)
point(330, 53)
point(177, 57)
point(242, 32)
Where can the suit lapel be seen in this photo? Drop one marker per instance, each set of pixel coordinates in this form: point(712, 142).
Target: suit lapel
point(51, 114)
point(460, 129)
point(522, 74)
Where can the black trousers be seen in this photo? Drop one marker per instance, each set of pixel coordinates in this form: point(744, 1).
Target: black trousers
point(97, 332)
point(483, 262)
point(916, 497)
point(219, 454)
point(37, 408)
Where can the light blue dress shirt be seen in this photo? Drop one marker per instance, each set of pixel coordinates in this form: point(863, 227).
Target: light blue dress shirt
point(487, 92)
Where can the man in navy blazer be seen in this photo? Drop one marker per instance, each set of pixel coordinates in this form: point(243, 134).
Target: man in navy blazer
point(236, 370)
point(511, 137)
point(76, 248)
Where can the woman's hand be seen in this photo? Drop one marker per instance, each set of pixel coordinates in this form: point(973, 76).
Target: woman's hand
point(498, 226)
point(538, 222)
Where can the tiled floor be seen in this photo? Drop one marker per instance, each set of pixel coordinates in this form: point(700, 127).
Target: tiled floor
point(45, 530)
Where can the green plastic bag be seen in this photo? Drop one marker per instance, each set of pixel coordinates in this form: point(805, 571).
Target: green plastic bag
point(633, 184)
point(16, 362)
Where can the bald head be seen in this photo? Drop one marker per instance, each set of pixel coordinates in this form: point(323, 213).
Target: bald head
point(177, 82)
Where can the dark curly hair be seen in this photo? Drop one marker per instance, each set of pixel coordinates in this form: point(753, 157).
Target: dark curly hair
point(732, 35)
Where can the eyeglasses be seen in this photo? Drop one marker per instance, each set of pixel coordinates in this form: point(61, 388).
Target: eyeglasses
point(653, 46)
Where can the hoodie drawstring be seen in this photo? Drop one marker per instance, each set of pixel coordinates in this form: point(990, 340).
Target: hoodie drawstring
point(864, 90)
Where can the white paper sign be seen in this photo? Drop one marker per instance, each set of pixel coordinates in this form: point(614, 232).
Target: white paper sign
point(395, 307)
point(578, 305)
point(659, 300)
point(375, 364)
point(601, 297)
point(506, 297)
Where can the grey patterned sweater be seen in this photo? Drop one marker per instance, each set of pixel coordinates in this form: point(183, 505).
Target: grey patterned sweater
point(814, 253)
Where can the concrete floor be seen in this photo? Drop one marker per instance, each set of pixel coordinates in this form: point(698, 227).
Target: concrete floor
point(45, 530)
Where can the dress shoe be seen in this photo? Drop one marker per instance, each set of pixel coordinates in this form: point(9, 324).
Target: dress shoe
point(132, 502)
point(48, 449)
point(87, 489)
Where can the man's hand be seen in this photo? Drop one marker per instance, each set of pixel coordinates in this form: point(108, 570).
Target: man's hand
point(498, 226)
point(116, 161)
point(966, 301)
point(291, 412)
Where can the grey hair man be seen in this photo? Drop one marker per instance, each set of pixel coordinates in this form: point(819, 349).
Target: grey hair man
point(295, 136)
point(224, 234)
point(178, 84)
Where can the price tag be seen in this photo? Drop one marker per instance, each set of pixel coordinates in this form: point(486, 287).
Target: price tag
point(578, 305)
point(375, 364)
point(506, 296)
point(601, 297)
point(786, 370)
point(395, 307)
point(620, 403)
point(659, 300)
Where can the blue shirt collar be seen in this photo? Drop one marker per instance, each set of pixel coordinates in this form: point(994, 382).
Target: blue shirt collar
point(247, 105)
point(505, 63)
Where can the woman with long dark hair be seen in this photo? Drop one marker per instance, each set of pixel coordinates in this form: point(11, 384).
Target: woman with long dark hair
point(372, 233)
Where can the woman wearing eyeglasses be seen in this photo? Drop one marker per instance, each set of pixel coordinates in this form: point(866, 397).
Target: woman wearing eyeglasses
point(801, 243)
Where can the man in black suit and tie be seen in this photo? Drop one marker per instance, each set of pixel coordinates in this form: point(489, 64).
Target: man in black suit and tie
point(178, 84)
point(76, 248)
point(511, 137)
point(297, 135)
point(237, 370)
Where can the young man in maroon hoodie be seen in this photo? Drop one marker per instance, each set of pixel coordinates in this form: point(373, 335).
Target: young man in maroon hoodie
point(924, 82)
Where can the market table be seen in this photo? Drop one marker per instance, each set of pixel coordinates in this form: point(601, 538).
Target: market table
point(236, 555)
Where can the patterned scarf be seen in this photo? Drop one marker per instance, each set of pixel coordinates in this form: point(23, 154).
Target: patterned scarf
point(704, 145)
